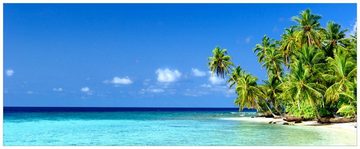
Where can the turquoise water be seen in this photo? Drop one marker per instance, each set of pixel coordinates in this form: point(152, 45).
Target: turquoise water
point(157, 129)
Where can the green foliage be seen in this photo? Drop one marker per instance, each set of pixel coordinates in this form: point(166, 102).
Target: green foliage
point(347, 110)
point(308, 31)
point(220, 62)
point(248, 92)
point(320, 80)
point(235, 75)
point(325, 112)
point(304, 110)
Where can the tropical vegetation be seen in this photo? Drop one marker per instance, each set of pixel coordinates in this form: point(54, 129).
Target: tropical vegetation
point(311, 72)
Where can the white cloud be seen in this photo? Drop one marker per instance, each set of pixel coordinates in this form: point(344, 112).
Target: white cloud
point(156, 90)
point(216, 80)
point(198, 73)
point(119, 81)
point(86, 90)
point(152, 90)
point(57, 89)
point(167, 75)
point(10, 72)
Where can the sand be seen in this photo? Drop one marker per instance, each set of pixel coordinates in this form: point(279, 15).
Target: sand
point(350, 127)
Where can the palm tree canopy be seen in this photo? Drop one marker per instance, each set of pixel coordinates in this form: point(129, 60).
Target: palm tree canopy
point(260, 49)
point(311, 71)
point(236, 73)
point(312, 58)
point(248, 92)
point(220, 62)
point(308, 28)
point(288, 44)
point(273, 62)
point(342, 72)
point(334, 38)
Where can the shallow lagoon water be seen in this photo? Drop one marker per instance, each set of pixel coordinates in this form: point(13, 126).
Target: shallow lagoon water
point(157, 129)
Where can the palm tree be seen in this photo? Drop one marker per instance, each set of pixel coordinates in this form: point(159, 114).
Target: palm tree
point(260, 49)
point(342, 75)
point(334, 38)
point(272, 62)
point(248, 92)
point(271, 90)
point(342, 72)
point(308, 28)
point(350, 45)
point(312, 59)
point(320, 79)
point(236, 73)
point(220, 62)
point(288, 44)
point(301, 89)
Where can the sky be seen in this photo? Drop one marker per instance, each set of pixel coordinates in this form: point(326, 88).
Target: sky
point(138, 55)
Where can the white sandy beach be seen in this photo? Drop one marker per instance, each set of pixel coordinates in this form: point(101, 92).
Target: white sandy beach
point(348, 127)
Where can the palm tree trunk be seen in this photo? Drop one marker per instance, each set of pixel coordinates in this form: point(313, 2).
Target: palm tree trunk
point(275, 107)
point(272, 113)
point(318, 116)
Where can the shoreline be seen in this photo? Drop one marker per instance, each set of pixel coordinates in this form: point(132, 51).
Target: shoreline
point(349, 127)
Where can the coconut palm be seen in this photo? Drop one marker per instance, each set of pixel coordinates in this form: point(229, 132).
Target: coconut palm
point(288, 44)
point(248, 92)
point(308, 28)
point(342, 72)
point(312, 59)
point(220, 62)
point(301, 89)
point(272, 62)
point(320, 78)
point(334, 38)
point(260, 49)
point(271, 90)
point(350, 46)
point(235, 74)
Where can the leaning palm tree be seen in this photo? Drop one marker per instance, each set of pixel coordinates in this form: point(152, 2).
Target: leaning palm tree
point(308, 28)
point(248, 92)
point(236, 73)
point(271, 90)
point(220, 62)
point(334, 39)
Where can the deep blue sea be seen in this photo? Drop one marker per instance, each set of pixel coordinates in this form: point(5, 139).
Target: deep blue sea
point(154, 127)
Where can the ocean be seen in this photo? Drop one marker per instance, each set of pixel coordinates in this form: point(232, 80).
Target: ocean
point(153, 127)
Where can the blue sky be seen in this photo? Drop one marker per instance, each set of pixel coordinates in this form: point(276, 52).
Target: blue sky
point(137, 55)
